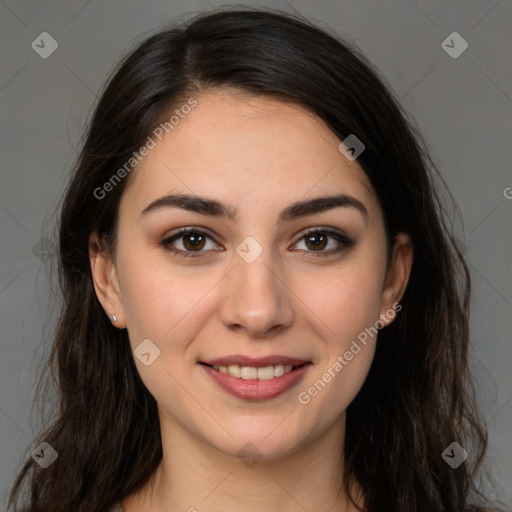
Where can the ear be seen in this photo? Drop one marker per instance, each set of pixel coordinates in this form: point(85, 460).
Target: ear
point(106, 284)
point(399, 269)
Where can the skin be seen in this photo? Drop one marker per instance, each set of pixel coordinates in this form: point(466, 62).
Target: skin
point(259, 155)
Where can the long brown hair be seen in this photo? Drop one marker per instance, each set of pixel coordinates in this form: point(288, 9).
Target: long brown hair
point(418, 396)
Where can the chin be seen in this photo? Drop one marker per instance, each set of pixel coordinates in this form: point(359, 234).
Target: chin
point(269, 440)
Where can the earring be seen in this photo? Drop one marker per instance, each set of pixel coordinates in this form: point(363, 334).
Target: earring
point(113, 318)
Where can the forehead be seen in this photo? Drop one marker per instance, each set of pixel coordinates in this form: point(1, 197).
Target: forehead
point(251, 150)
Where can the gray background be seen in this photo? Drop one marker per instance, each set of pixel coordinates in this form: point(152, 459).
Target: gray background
point(463, 106)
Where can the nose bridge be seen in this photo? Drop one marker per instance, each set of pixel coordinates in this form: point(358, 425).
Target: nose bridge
point(255, 299)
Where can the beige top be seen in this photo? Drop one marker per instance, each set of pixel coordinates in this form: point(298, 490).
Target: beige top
point(117, 508)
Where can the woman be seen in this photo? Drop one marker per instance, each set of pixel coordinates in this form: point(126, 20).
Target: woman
point(263, 306)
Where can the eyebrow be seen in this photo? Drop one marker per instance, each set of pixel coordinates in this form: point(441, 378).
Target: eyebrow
point(213, 208)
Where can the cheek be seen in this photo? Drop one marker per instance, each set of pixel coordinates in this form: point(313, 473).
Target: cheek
point(348, 303)
point(347, 299)
point(167, 306)
point(159, 300)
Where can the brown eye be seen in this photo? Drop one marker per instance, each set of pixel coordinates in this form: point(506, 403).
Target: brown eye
point(316, 241)
point(189, 242)
point(194, 241)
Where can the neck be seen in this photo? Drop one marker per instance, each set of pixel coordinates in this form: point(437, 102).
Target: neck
point(195, 476)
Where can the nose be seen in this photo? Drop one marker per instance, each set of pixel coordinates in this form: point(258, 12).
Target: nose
point(256, 298)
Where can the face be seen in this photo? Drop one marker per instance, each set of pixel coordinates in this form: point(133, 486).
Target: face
point(256, 287)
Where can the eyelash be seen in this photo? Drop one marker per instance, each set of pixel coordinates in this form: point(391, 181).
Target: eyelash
point(344, 240)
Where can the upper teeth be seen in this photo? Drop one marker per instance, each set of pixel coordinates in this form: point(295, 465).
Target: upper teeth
point(248, 372)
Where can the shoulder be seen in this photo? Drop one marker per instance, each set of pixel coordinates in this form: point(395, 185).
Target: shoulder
point(117, 508)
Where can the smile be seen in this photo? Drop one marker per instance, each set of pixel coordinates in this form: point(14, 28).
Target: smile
point(256, 382)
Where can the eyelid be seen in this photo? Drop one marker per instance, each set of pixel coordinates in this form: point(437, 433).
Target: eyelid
point(322, 229)
point(190, 229)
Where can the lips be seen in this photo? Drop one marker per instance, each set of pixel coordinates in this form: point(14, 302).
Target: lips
point(251, 379)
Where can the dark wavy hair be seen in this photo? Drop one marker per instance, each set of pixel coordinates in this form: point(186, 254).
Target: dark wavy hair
point(418, 397)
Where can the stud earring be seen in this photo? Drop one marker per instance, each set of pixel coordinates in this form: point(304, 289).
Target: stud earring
point(113, 318)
